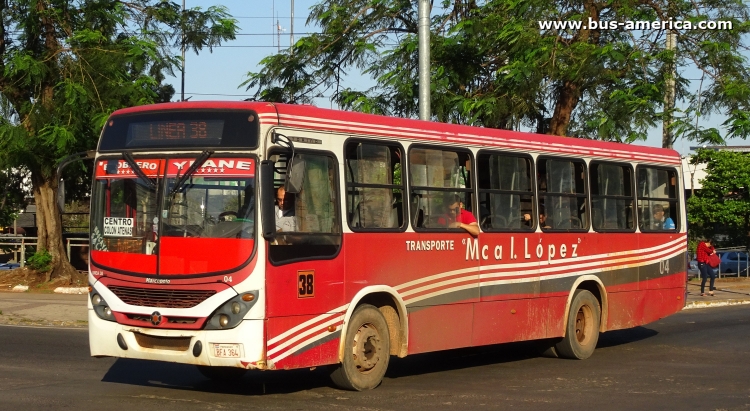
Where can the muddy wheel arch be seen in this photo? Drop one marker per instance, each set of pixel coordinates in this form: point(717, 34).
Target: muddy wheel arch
point(393, 308)
point(593, 284)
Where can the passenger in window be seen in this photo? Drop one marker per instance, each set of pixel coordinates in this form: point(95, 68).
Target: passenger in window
point(660, 221)
point(457, 217)
point(544, 222)
point(285, 220)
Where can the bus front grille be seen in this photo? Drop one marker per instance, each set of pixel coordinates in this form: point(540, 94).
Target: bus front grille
point(149, 297)
point(163, 343)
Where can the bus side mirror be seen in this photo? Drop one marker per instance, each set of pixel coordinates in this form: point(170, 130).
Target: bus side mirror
point(295, 177)
point(83, 155)
point(267, 197)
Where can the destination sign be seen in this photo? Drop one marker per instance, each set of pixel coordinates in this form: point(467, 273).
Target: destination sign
point(191, 132)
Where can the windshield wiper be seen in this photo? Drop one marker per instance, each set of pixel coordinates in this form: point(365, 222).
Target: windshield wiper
point(137, 170)
point(195, 166)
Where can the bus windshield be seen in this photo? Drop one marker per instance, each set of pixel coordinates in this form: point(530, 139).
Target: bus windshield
point(146, 226)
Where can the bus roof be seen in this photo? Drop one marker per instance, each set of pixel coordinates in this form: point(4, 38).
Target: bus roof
point(311, 117)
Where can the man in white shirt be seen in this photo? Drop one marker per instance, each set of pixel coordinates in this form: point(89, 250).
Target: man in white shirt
point(285, 219)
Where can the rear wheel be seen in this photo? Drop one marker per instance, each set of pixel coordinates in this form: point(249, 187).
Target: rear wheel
point(582, 329)
point(366, 351)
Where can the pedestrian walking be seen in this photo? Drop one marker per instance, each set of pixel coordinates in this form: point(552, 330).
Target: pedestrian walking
point(704, 252)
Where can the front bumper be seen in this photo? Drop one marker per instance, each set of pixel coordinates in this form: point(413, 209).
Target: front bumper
point(178, 346)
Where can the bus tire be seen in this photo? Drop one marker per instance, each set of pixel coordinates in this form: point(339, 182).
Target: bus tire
point(221, 374)
point(582, 329)
point(366, 351)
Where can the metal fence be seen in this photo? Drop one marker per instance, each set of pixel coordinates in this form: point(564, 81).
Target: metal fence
point(735, 262)
point(18, 244)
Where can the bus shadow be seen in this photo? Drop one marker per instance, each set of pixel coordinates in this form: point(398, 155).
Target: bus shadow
point(187, 377)
point(627, 336)
point(498, 354)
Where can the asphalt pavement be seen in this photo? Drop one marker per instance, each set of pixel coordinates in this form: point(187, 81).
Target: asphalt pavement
point(48, 309)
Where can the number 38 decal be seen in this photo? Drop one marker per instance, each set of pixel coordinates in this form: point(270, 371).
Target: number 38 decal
point(305, 284)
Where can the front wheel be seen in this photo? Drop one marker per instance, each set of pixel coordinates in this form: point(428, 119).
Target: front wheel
point(366, 351)
point(582, 329)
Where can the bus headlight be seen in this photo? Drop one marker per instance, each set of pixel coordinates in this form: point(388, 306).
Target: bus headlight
point(231, 313)
point(101, 308)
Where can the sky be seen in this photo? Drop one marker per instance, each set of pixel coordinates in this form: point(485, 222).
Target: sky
point(218, 75)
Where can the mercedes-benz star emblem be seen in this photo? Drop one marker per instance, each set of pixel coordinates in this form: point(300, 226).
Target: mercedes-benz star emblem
point(156, 318)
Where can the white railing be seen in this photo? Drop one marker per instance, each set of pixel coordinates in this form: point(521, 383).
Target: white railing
point(19, 244)
point(742, 266)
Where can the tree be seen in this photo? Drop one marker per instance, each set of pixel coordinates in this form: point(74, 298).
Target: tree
point(12, 197)
point(65, 65)
point(496, 64)
point(722, 205)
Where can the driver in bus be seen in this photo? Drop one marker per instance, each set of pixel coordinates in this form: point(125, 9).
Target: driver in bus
point(457, 217)
point(660, 221)
point(284, 210)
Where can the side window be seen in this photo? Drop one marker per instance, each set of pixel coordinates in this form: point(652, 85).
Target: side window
point(440, 185)
point(506, 194)
point(657, 199)
point(562, 194)
point(307, 223)
point(611, 197)
point(374, 188)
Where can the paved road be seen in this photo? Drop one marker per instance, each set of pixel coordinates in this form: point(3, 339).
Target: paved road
point(695, 360)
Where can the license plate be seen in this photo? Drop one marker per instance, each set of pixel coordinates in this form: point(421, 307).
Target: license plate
point(227, 350)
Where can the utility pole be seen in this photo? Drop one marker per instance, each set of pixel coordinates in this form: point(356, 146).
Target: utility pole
point(182, 32)
point(273, 14)
point(424, 59)
point(278, 35)
point(291, 31)
point(669, 94)
point(667, 139)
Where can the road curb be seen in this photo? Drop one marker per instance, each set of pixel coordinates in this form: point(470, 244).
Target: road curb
point(72, 290)
point(707, 304)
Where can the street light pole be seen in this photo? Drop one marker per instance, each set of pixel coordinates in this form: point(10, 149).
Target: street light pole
point(692, 174)
point(291, 31)
point(424, 59)
point(182, 32)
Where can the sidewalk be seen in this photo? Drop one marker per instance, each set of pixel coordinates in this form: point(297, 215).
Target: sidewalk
point(729, 291)
point(38, 309)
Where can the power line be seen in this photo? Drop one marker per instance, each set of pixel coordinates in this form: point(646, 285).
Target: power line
point(280, 17)
point(273, 34)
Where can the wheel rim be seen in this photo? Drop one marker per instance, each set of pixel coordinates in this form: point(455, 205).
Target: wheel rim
point(584, 325)
point(366, 348)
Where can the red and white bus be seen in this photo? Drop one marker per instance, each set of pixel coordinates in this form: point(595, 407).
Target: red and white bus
point(194, 261)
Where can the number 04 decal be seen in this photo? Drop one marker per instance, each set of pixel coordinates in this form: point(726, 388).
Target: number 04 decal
point(306, 284)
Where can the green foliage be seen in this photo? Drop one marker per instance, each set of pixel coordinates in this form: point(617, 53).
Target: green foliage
point(493, 65)
point(63, 72)
point(722, 206)
point(12, 196)
point(40, 261)
point(65, 65)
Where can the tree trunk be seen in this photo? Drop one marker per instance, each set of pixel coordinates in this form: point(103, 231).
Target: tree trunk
point(49, 226)
point(566, 102)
